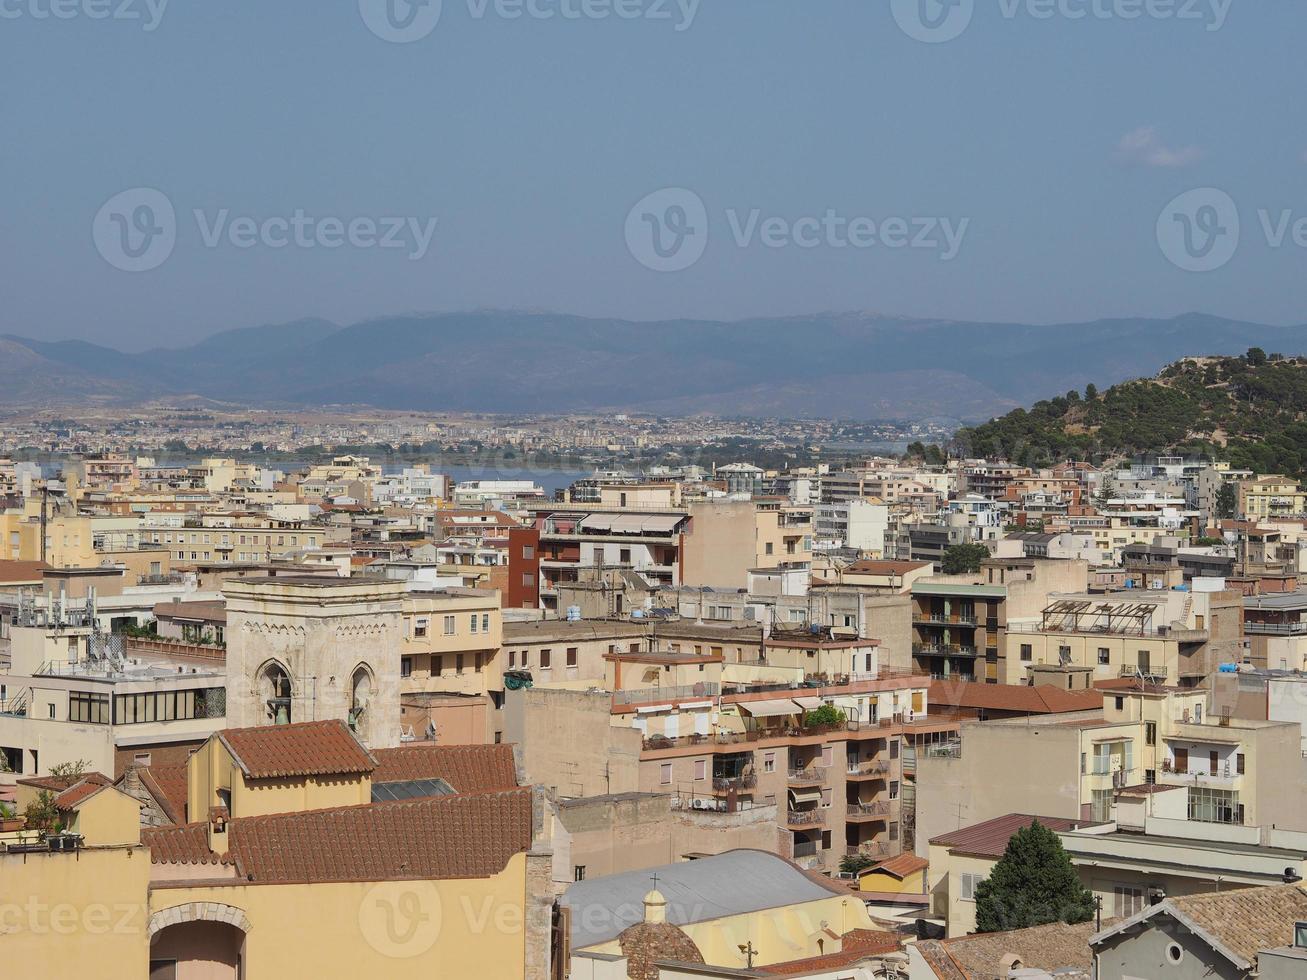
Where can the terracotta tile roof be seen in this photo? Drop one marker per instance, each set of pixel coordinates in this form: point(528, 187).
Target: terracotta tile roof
point(168, 785)
point(860, 944)
point(903, 865)
point(310, 748)
point(81, 791)
point(1052, 947)
point(209, 611)
point(990, 839)
point(443, 837)
point(467, 768)
point(157, 756)
point(1246, 920)
point(53, 784)
point(941, 961)
point(1036, 700)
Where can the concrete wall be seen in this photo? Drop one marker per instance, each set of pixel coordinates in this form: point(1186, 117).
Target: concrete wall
point(566, 742)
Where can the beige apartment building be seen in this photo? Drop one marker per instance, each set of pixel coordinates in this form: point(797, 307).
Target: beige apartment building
point(1234, 771)
point(727, 539)
point(232, 538)
point(1174, 637)
point(68, 539)
point(1268, 497)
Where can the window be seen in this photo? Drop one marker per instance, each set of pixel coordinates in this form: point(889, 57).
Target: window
point(1150, 733)
point(967, 886)
point(546, 656)
point(89, 708)
point(485, 622)
point(769, 762)
point(571, 656)
point(578, 873)
point(1127, 901)
point(474, 622)
point(405, 666)
point(528, 552)
point(1104, 656)
point(450, 626)
point(1027, 652)
point(1120, 704)
point(1239, 763)
point(420, 628)
point(700, 769)
point(769, 548)
point(512, 659)
point(665, 774)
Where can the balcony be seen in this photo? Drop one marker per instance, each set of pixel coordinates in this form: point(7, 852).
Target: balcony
point(933, 619)
point(738, 784)
point(870, 850)
point(811, 776)
point(875, 768)
point(806, 818)
point(942, 650)
point(1157, 673)
point(1224, 776)
point(868, 811)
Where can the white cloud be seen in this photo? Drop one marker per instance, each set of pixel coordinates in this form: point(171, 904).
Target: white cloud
point(1142, 146)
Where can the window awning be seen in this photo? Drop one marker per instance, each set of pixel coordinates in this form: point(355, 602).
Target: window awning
point(805, 795)
point(770, 709)
point(808, 704)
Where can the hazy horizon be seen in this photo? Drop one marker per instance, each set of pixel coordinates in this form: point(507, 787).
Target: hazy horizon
point(178, 170)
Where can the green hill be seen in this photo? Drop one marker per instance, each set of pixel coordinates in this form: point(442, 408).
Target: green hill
point(1250, 410)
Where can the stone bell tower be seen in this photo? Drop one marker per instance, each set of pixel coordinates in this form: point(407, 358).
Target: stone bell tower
point(313, 648)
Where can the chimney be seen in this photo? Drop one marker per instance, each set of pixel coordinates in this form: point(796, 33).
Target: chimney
point(219, 820)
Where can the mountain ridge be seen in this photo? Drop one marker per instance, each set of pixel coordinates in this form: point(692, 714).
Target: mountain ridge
point(853, 365)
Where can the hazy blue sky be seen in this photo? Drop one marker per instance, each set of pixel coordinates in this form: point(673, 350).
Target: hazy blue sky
point(1049, 144)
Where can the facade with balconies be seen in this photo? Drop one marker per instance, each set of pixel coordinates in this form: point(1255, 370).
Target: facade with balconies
point(958, 629)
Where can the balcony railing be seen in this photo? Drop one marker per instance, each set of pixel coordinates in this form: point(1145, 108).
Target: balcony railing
point(812, 774)
point(725, 784)
point(875, 767)
point(864, 811)
point(871, 850)
point(1148, 670)
point(942, 650)
point(806, 818)
point(932, 619)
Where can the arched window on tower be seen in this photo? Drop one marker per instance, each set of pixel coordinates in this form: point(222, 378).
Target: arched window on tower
point(276, 691)
point(360, 695)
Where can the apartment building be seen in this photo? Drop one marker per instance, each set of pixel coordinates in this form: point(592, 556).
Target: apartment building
point(837, 788)
point(727, 539)
point(1268, 497)
point(958, 629)
point(1180, 637)
point(232, 538)
point(859, 524)
point(575, 537)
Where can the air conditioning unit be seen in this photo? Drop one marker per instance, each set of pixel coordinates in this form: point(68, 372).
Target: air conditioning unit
point(696, 804)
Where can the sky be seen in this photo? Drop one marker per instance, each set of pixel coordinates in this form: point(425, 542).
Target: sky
point(172, 168)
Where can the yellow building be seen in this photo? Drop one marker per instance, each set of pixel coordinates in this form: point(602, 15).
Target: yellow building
point(428, 882)
point(1271, 496)
point(736, 908)
point(68, 538)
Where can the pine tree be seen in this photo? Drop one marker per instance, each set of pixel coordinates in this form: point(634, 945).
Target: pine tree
point(1033, 884)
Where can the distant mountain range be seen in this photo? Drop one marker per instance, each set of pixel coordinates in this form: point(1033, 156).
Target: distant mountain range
point(843, 365)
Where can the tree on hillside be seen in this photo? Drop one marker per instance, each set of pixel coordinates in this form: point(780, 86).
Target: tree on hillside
point(1091, 392)
point(1256, 357)
point(1227, 502)
point(963, 558)
point(1033, 884)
